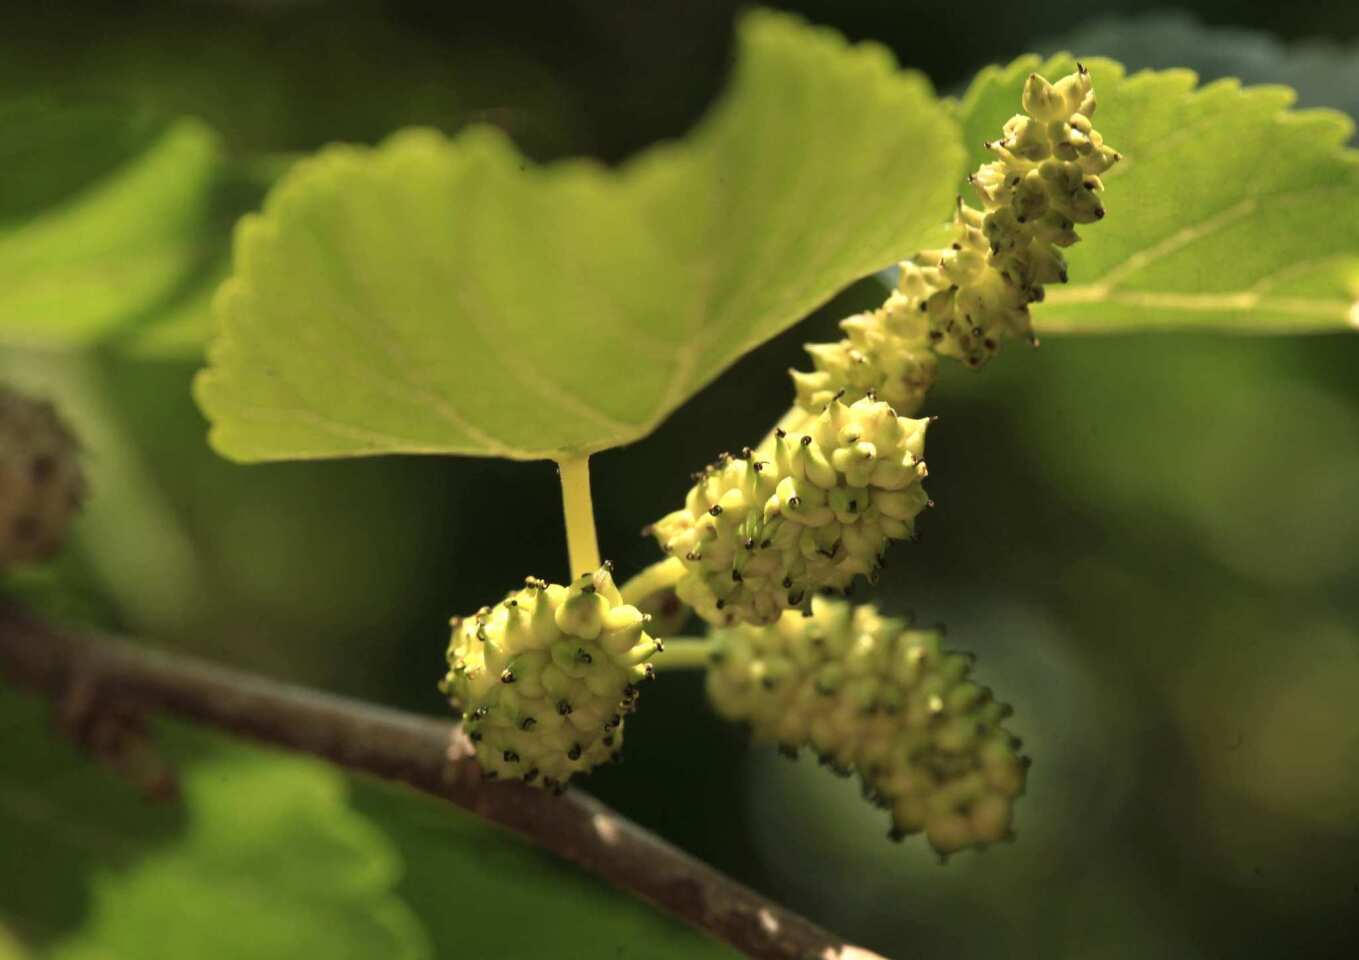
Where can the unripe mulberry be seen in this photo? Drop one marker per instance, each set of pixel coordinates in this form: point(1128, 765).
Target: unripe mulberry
point(886, 352)
point(41, 483)
point(1044, 182)
point(870, 695)
point(809, 511)
point(963, 300)
point(544, 678)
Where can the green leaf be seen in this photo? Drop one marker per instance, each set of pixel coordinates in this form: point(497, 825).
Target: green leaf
point(103, 216)
point(1323, 73)
point(1229, 211)
point(454, 861)
point(275, 856)
point(264, 860)
point(435, 296)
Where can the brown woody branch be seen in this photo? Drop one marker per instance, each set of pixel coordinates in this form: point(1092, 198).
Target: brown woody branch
point(119, 678)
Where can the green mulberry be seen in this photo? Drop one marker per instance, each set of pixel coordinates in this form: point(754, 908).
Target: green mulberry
point(886, 352)
point(870, 695)
point(544, 678)
point(963, 300)
point(1044, 182)
point(41, 482)
point(809, 511)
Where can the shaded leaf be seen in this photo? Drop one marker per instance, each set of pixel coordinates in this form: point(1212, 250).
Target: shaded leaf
point(452, 857)
point(1229, 211)
point(265, 859)
point(103, 215)
point(436, 296)
point(275, 856)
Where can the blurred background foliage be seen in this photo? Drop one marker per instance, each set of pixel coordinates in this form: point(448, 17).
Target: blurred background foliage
point(1151, 541)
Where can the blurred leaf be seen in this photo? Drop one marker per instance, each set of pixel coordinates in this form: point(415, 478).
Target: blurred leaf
point(1229, 211)
point(86, 243)
point(267, 859)
point(10, 949)
point(445, 297)
point(1323, 73)
point(454, 858)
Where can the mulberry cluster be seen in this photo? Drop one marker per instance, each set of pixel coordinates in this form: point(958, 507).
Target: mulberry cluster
point(545, 677)
point(41, 483)
point(968, 297)
point(810, 511)
point(872, 696)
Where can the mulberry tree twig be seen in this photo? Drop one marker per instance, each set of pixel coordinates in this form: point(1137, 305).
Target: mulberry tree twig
point(430, 755)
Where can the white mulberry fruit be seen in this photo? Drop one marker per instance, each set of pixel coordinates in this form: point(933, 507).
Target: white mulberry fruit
point(870, 695)
point(544, 678)
point(808, 512)
point(41, 482)
point(961, 301)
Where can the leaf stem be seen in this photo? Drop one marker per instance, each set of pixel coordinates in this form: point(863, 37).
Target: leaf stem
point(659, 576)
point(683, 653)
point(581, 545)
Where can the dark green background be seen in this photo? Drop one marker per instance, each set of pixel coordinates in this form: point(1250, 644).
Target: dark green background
point(1151, 541)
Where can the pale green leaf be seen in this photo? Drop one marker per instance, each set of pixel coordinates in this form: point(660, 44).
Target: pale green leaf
point(436, 296)
point(1229, 211)
point(274, 856)
point(1324, 73)
point(473, 885)
point(264, 859)
point(102, 215)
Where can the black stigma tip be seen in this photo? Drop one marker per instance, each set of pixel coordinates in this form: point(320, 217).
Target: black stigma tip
point(766, 544)
point(720, 604)
point(588, 588)
point(608, 565)
point(527, 723)
point(574, 752)
point(563, 707)
point(531, 775)
point(957, 245)
point(510, 756)
point(716, 510)
point(749, 544)
point(649, 671)
point(475, 736)
point(780, 432)
point(507, 676)
point(607, 740)
point(787, 582)
point(736, 576)
point(806, 440)
point(794, 502)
